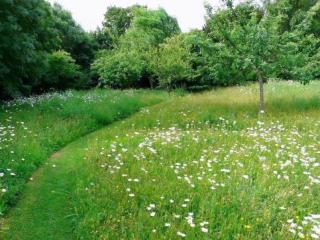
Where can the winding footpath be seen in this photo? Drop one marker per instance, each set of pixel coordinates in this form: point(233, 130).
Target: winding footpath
point(45, 210)
point(45, 207)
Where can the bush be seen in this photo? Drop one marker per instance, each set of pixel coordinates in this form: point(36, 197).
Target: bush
point(62, 72)
point(119, 69)
point(172, 65)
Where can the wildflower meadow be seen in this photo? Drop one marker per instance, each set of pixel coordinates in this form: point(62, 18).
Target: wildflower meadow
point(194, 166)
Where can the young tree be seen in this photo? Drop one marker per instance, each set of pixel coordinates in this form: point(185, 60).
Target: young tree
point(263, 43)
point(250, 36)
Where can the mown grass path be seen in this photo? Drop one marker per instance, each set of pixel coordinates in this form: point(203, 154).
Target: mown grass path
point(31, 129)
point(45, 209)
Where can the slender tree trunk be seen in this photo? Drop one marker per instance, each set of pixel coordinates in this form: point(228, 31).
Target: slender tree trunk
point(261, 90)
point(151, 83)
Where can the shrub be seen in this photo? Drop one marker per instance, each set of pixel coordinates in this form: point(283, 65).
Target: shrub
point(119, 69)
point(172, 65)
point(62, 72)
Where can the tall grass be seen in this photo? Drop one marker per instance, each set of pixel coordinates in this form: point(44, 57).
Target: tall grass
point(200, 166)
point(207, 166)
point(33, 128)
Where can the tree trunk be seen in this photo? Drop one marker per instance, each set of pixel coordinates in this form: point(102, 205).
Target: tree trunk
point(261, 90)
point(169, 89)
point(151, 83)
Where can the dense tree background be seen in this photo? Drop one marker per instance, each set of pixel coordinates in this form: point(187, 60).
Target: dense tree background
point(26, 34)
point(31, 33)
point(42, 48)
point(73, 39)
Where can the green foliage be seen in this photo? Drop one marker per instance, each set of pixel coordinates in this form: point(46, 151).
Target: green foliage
point(29, 32)
point(239, 43)
point(250, 38)
point(149, 28)
point(73, 39)
point(26, 32)
point(172, 63)
point(103, 38)
point(263, 43)
point(140, 47)
point(119, 69)
point(299, 56)
point(210, 59)
point(127, 65)
point(116, 21)
point(292, 12)
point(156, 24)
point(62, 72)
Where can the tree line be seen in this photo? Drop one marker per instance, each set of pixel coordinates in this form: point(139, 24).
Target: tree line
point(43, 48)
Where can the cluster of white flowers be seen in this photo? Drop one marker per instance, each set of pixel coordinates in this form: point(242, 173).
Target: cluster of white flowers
point(8, 158)
point(309, 227)
point(34, 100)
point(279, 154)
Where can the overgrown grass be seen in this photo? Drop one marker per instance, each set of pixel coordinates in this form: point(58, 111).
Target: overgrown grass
point(203, 166)
point(206, 166)
point(31, 129)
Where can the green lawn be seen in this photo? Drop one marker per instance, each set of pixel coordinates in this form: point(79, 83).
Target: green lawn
point(201, 166)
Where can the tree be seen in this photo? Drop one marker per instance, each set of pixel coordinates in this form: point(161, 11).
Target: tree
point(147, 30)
point(156, 25)
point(116, 21)
point(263, 43)
point(209, 60)
point(119, 69)
point(29, 32)
point(26, 34)
point(292, 13)
point(103, 38)
point(251, 36)
point(302, 48)
point(172, 63)
point(73, 39)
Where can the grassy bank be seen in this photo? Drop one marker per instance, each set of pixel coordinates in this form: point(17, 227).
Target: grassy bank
point(31, 129)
